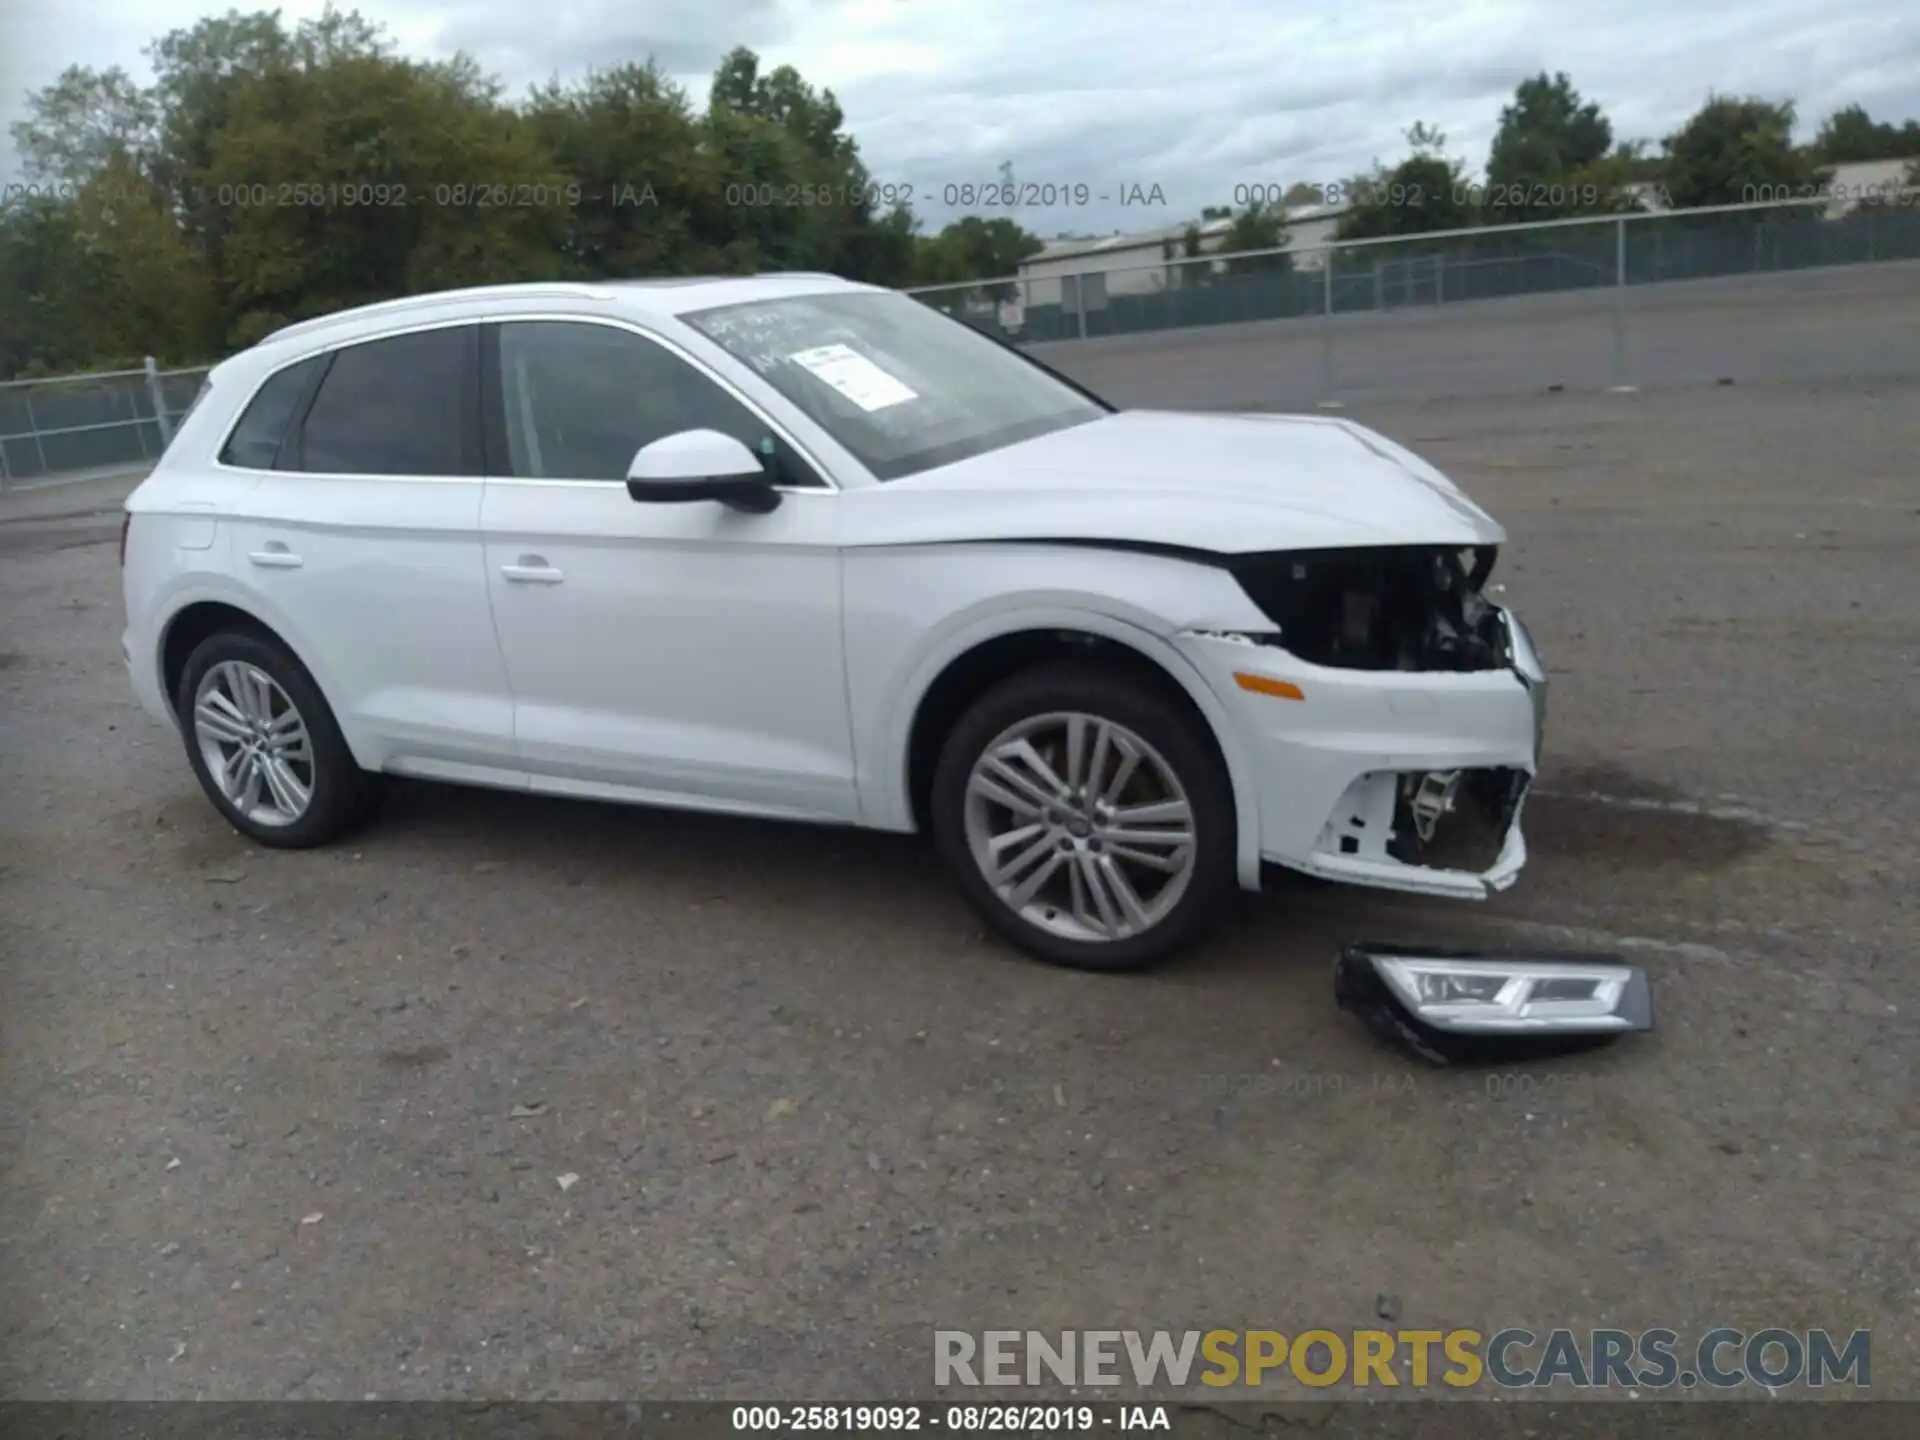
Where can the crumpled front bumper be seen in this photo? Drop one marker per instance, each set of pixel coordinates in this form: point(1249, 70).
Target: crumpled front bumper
point(1338, 755)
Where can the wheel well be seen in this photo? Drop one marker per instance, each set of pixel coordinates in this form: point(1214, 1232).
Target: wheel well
point(194, 624)
point(972, 674)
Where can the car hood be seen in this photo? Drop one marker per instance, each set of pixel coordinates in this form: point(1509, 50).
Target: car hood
point(1228, 484)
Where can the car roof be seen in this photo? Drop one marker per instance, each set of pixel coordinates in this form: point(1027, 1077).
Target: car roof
point(642, 298)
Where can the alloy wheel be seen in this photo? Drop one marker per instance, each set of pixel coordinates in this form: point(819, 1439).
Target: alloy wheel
point(254, 742)
point(1080, 826)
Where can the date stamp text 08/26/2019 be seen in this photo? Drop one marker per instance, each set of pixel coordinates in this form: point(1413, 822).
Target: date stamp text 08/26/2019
point(959, 1419)
point(520, 194)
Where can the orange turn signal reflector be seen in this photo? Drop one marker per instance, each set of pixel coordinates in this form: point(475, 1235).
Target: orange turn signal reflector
point(1265, 685)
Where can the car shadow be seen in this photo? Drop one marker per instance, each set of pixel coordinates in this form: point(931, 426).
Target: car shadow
point(843, 876)
point(600, 836)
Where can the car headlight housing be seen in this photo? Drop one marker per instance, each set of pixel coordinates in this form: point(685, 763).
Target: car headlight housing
point(1451, 1005)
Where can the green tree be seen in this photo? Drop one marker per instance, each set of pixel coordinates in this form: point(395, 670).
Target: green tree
point(782, 98)
point(274, 171)
point(756, 210)
point(57, 315)
point(1427, 191)
point(347, 174)
point(1258, 227)
point(197, 70)
point(647, 192)
point(1548, 157)
point(152, 288)
point(1735, 150)
point(975, 248)
point(102, 270)
point(1638, 160)
point(801, 196)
point(75, 125)
point(883, 252)
point(1850, 135)
point(1184, 254)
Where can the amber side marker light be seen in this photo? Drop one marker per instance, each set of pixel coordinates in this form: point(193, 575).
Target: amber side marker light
point(1265, 685)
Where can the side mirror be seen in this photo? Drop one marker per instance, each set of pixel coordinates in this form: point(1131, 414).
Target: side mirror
point(701, 465)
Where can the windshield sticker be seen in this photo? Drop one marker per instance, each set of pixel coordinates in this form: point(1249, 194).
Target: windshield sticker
point(854, 376)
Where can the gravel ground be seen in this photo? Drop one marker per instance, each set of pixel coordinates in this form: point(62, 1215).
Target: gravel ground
point(264, 1118)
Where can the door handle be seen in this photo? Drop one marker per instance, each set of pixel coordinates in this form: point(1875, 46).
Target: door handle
point(532, 570)
point(276, 556)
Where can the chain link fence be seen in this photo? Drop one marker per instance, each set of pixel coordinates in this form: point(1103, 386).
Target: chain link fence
point(75, 425)
point(1404, 272)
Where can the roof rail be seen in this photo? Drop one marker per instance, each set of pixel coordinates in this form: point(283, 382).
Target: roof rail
point(551, 290)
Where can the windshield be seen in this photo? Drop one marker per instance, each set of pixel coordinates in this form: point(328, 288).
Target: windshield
point(899, 385)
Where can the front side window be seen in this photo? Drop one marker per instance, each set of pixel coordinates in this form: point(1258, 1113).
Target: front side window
point(406, 405)
point(255, 441)
point(578, 401)
point(901, 386)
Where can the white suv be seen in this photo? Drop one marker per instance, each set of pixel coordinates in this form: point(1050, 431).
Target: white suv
point(796, 547)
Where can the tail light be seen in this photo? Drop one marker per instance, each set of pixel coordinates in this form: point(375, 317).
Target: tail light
point(126, 523)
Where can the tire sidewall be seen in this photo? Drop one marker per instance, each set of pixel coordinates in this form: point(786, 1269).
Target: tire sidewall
point(1172, 729)
point(338, 790)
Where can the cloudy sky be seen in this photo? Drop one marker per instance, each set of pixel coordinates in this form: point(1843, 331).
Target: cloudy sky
point(1196, 98)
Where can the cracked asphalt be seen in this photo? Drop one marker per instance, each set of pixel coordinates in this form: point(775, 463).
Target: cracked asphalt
point(296, 1125)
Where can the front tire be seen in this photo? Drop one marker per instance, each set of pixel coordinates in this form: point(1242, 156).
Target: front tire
point(265, 745)
point(1087, 817)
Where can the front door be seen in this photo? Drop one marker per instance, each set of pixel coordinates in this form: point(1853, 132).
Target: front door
point(679, 653)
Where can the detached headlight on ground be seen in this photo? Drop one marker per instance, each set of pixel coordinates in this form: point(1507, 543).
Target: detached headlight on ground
point(1451, 1005)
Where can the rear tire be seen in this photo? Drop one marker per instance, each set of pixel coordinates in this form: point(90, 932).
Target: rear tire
point(265, 745)
point(1059, 804)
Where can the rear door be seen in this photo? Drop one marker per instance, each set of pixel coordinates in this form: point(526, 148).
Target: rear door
point(363, 533)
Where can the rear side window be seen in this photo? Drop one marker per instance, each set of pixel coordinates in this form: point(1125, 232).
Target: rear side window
point(255, 441)
point(408, 405)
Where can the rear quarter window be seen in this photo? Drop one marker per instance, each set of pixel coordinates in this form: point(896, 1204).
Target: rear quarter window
point(401, 405)
point(256, 440)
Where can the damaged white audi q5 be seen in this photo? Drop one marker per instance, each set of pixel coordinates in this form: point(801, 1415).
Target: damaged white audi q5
point(791, 546)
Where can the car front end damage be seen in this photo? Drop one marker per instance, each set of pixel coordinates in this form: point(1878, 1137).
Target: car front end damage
point(1393, 715)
